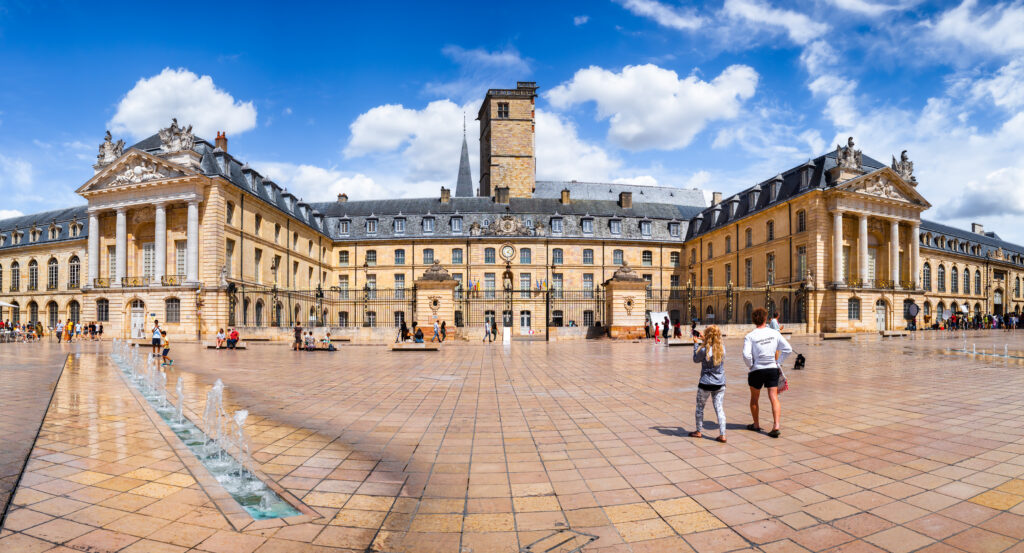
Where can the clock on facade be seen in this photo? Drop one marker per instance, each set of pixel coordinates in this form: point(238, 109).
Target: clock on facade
point(508, 252)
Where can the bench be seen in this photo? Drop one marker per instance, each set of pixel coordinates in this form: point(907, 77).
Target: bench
point(836, 336)
point(892, 333)
point(213, 345)
point(413, 346)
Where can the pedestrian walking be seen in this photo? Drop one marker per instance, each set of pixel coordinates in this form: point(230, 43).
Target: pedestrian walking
point(437, 332)
point(444, 331)
point(710, 353)
point(494, 329)
point(487, 331)
point(764, 351)
point(156, 338)
point(166, 349)
point(58, 331)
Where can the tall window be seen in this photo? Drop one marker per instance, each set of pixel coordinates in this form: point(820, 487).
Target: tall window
point(371, 226)
point(456, 224)
point(33, 276)
point(926, 276)
point(673, 229)
point(749, 237)
point(588, 282)
point(102, 310)
point(488, 285)
point(15, 276)
point(229, 250)
point(977, 282)
point(853, 309)
point(399, 226)
point(647, 258)
point(74, 312)
point(954, 281)
point(399, 287)
point(1016, 287)
point(728, 244)
point(1, 278)
point(371, 257)
point(180, 249)
point(343, 257)
point(457, 256)
point(230, 213)
point(52, 272)
point(748, 272)
point(711, 250)
point(149, 259)
point(489, 255)
point(74, 273)
point(258, 265)
point(711, 278)
point(172, 310)
point(502, 110)
point(673, 259)
point(428, 256)
point(801, 262)
point(588, 256)
point(259, 224)
point(556, 225)
point(524, 285)
point(617, 257)
point(556, 256)
point(770, 230)
point(399, 257)
point(728, 273)
point(274, 268)
point(557, 282)
point(967, 281)
point(942, 278)
point(525, 256)
point(801, 221)
point(343, 286)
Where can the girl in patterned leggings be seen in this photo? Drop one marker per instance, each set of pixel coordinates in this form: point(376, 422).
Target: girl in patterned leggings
point(710, 353)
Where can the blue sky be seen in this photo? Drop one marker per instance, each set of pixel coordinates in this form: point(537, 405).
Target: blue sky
point(368, 98)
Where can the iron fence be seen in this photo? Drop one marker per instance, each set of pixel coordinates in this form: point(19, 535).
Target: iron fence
point(728, 304)
point(527, 308)
point(261, 306)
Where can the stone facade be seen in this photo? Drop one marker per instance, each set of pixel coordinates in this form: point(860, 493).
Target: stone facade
point(507, 136)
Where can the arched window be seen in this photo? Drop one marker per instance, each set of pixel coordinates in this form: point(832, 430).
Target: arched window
point(279, 312)
point(785, 310)
point(172, 310)
point(102, 310)
point(728, 244)
point(748, 311)
point(259, 313)
point(489, 255)
point(15, 313)
point(673, 259)
point(400, 257)
point(647, 258)
point(941, 279)
point(245, 312)
point(801, 221)
point(617, 257)
point(52, 272)
point(977, 282)
point(927, 309)
point(74, 273)
point(954, 280)
point(230, 212)
point(770, 231)
point(588, 256)
point(74, 312)
point(1, 278)
point(33, 312)
point(853, 309)
point(51, 314)
point(428, 256)
point(557, 257)
point(967, 281)
point(926, 276)
point(1016, 288)
point(33, 276)
point(709, 314)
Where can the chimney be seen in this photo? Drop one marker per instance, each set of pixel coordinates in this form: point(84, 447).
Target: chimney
point(342, 198)
point(222, 141)
point(565, 196)
point(446, 195)
point(977, 228)
point(501, 195)
point(716, 198)
point(626, 200)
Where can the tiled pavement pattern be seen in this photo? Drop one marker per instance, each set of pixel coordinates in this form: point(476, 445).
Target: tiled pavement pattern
point(887, 446)
point(28, 374)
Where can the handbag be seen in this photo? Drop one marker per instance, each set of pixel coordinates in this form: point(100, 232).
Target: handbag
point(785, 381)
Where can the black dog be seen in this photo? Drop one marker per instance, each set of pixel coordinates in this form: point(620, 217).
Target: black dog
point(799, 364)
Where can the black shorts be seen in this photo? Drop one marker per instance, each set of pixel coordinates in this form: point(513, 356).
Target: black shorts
point(764, 378)
point(166, 351)
point(156, 342)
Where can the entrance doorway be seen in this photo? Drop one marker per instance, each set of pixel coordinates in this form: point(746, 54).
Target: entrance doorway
point(524, 322)
point(138, 319)
point(997, 303)
point(880, 314)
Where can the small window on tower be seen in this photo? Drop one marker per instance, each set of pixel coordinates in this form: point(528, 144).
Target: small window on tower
point(502, 110)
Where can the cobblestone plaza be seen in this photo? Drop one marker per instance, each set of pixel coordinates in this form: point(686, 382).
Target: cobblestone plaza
point(892, 444)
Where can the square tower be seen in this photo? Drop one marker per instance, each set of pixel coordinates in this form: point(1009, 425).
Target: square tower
point(507, 141)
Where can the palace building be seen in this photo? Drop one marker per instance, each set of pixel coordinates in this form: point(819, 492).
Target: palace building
point(177, 229)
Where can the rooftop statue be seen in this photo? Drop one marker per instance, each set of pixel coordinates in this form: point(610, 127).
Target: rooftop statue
point(847, 157)
point(904, 168)
point(175, 138)
point(109, 150)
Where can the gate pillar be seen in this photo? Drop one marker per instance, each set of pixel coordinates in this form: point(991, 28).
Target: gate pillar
point(626, 303)
point(435, 298)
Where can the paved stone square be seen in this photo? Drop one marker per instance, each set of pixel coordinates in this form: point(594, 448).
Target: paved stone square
point(888, 445)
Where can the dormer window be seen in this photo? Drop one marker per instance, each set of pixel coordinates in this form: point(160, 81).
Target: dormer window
point(556, 225)
point(456, 223)
point(399, 225)
point(673, 229)
point(34, 235)
point(645, 228)
point(54, 232)
point(752, 198)
point(587, 224)
point(371, 226)
point(343, 226)
point(615, 226)
point(428, 225)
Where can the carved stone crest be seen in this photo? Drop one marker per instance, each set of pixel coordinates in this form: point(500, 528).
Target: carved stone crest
point(847, 157)
point(139, 173)
point(474, 229)
point(109, 150)
point(996, 254)
point(507, 225)
point(435, 304)
point(904, 168)
point(628, 303)
point(175, 138)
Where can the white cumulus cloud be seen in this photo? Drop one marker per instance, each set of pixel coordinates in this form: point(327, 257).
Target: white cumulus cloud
point(319, 184)
point(563, 155)
point(664, 15)
point(195, 100)
point(800, 28)
point(872, 9)
point(996, 29)
point(580, 20)
point(649, 107)
point(1005, 89)
point(9, 213)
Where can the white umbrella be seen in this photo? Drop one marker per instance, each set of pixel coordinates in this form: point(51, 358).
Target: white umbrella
point(5, 304)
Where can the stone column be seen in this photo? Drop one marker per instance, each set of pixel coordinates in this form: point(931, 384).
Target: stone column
point(192, 243)
point(915, 255)
point(837, 247)
point(160, 244)
point(93, 271)
point(862, 250)
point(894, 252)
point(120, 246)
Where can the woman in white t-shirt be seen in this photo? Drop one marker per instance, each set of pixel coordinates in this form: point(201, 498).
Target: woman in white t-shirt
point(220, 338)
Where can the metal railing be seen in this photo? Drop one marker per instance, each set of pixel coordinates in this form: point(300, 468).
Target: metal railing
point(530, 307)
point(262, 306)
point(101, 282)
point(134, 281)
point(172, 280)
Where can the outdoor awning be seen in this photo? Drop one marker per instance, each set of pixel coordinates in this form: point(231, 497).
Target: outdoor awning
point(5, 304)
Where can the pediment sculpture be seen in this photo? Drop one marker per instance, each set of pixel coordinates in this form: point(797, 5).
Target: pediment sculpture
point(109, 150)
point(904, 168)
point(507, 225)
point(880, 187)
point(175, 138)
point(145, 171)
point(847, 157)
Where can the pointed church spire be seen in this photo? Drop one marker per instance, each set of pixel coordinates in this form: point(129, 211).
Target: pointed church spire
point(464, 184)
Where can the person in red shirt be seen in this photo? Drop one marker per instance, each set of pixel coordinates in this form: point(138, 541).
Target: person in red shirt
point(232, 338)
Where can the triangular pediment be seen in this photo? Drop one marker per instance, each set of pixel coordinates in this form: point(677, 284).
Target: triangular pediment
point(886, 184)
point(133, 168)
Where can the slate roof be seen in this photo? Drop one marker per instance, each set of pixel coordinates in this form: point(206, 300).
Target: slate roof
point(691, 197)
point(989, 242)
point(43, 220)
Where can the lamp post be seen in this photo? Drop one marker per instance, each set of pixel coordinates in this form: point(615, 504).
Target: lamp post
point(319, 305)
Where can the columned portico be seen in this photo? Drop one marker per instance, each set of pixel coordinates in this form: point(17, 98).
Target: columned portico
point(192, 243)
point(160, 240)
point(862, 251)
point(120, 246)
point(894, 252)
point(94, 249)
point(837, 247)
point(915, 255)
